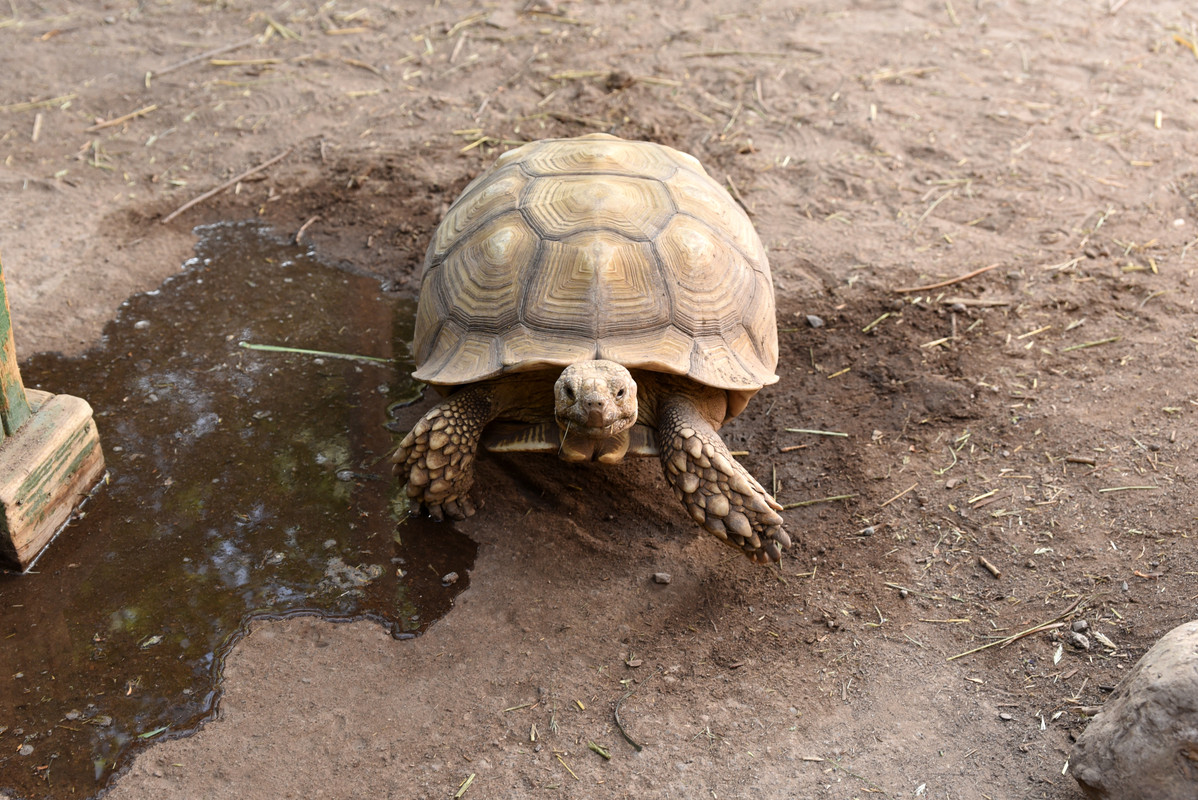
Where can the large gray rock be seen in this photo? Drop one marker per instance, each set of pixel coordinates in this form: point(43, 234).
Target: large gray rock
point(1143, 745)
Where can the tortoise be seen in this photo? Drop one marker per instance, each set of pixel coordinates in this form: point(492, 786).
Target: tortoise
point(597, 298)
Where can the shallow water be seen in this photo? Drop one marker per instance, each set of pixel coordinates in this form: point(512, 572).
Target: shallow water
point(241, 484)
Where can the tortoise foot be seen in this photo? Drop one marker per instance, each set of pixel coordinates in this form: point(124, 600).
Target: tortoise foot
point(719, 493)
point(437, 455)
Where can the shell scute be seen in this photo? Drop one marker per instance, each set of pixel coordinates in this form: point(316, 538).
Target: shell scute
point(489, 195)
point(478, 274)
point(559, 206)
point(596, 284)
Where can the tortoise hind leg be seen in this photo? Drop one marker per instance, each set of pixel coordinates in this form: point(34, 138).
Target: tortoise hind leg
point(719, 493)
point(437, 455)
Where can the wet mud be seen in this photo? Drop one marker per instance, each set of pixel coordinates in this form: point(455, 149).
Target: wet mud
point(242, 483)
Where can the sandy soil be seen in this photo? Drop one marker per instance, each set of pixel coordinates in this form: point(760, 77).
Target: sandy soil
point(1036, 415)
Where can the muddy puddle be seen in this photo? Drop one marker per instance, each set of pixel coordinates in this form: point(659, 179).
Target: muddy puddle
point(242, 483)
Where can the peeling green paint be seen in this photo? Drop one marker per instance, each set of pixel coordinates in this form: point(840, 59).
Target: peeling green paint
point(14, 407)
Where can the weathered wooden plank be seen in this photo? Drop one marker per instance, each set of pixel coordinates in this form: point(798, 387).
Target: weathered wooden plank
point(46, 469)
point(14, 407)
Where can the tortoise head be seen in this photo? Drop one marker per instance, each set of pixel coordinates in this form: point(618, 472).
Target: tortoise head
point(595, 400)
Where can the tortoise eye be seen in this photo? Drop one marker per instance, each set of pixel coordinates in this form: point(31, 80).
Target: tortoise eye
point(569, 392)
point(620, 394)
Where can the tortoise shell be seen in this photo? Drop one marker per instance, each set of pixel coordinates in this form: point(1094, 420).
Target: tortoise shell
point(597, 248)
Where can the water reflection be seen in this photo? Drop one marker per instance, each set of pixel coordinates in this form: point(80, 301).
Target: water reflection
point(242, 483)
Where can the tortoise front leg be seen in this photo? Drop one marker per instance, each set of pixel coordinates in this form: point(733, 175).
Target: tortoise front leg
point(437, 455)
point(719, 493)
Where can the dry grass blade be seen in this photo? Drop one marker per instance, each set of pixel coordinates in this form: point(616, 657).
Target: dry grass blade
point(141, 112)
point(274, 348)
point(1055, 622)
point(1084, 345)
point(805, 503)
point(567, 766)
point(282, 30)
point(620, 725)
point(931, 208)
point(33, 104)
point(466, 22)
point(876, 322)
point(721, 53)
point(891, 75)
point(244, 62)
point(816, 432)
point(465, 785)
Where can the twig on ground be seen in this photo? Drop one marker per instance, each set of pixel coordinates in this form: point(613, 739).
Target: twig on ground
point(900, 494)
point(949, 282)
point(208, 54)
point(299, 234)
point(226, 185)
point(124, 118)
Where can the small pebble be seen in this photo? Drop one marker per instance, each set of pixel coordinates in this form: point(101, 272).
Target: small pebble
point(1080, 626)
point(662, 577)
point(25, 749)
point(1078, 640)
point(814, 321)
point(141, 324)
point(1005, 717)
point(903, 593)
point(449, 578)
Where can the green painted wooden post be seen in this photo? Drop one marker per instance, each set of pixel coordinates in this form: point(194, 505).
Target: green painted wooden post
point(14, 406)
point(50, 457)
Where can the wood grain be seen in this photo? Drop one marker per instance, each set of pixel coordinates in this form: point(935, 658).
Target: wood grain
point(46, 469)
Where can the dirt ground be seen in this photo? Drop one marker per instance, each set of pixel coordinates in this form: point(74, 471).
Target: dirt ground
point(1036, 415)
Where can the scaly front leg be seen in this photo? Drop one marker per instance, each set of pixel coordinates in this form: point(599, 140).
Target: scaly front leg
point(437, 456)
point(719, 493)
